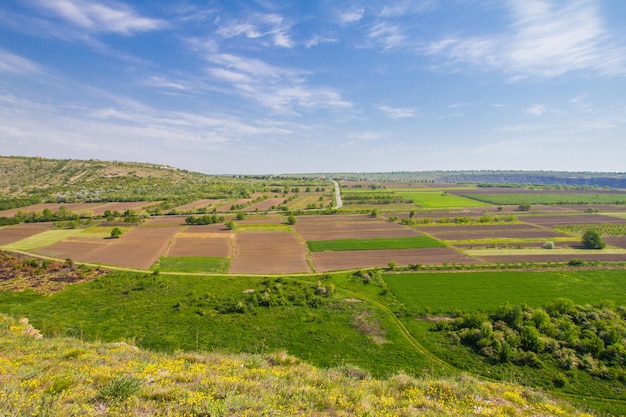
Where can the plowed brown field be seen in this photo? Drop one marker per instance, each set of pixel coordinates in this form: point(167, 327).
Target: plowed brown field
point(268, 253)
point(10, 234)
point(555, 221)
point(207, 202)
point(266, 204)
point(619, 241)
point(214, 247)
point(138, 248)
point(599, 256)
point(349, 227)
point(511, 231)
point(121, 207)
point(334, 261)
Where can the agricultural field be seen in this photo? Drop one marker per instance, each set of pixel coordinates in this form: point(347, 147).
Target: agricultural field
point(417, 242)
point(438, 199)
point(541, 198)
point(312, 243)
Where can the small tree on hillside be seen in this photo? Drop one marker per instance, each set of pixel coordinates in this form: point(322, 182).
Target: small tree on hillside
point(593, 240)
point(116, 232)
point(524, 207)
point(291, 220)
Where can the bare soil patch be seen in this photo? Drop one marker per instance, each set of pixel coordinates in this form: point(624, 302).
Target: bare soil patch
point(266, 204)
point(119, 206)
point(555, 221)
point(227, 206)
point(520, 245)
point(207, 228)
point(619, 241)
point(165, 221)
point(349, 227)
point(510, 231)
point(335, 261)
point(204, 203)
point(262, 219)
point(268, 253)
point(217, 246)
point(548, 257)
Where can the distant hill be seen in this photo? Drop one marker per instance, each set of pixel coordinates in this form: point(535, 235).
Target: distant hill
point(593, 179)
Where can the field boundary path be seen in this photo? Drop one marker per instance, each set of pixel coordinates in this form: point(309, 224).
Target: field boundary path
point(337, 194)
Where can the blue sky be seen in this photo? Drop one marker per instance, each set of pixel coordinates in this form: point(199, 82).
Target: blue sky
point(257, 87)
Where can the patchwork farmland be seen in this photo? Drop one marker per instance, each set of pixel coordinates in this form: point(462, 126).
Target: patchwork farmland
point(383, 224)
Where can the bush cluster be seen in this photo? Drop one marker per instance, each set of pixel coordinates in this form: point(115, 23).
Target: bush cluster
point(206, 219)
point(589, 338)
point(274, 293)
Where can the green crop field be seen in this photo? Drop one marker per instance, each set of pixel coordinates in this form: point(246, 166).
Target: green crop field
point(487, 290)
point(193, 264)
point(516, 199)
point(416, 242)
point(437, 199)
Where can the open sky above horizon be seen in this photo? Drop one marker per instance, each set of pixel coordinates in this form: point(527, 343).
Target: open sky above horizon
point(267, 86)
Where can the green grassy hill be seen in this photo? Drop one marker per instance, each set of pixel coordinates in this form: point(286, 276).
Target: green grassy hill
point(25, 181)
point(67, 377)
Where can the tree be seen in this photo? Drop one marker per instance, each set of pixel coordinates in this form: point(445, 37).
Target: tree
point(116, 232)
point(291, 220)
point(593, 240)
point(524, 207)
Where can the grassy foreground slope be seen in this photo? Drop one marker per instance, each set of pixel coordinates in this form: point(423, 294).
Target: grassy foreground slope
point(68, 377)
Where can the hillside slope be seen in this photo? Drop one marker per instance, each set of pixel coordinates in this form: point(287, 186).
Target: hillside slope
point(67, 377)
point(69, 180)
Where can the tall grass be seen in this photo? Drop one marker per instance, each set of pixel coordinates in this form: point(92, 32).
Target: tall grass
point(117, 379)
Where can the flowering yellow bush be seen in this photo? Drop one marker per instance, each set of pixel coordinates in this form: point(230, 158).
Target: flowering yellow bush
point(67, 377)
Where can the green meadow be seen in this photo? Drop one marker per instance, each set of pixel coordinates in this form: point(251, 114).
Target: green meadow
point(438, 199)
point(416, 242)
point(485, 291)
point(515, 199)
point(193, 264)
point(178, 312)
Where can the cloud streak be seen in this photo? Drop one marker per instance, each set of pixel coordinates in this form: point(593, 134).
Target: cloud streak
point(15, 64)
point(546, 40)
point(101, 17)
point(259, 26)
point(282, 90)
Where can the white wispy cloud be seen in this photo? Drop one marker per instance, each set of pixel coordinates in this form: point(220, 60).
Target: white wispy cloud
point(11, 63)
point(351, 15)
point(162, 82)
point(97, 16)
point(316, 40)
point(280, 89)
point(546, 39)
point(537, 110)
point(397, 112)
point(259, 26)
point(387, 35)
point(407, 7)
